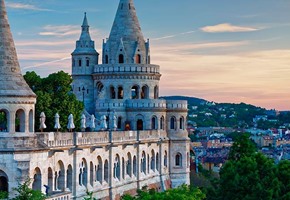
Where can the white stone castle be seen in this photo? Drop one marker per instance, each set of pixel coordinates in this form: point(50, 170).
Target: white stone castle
point(141, 139)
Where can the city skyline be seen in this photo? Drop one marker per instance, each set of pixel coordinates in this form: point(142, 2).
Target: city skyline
point(218, 51)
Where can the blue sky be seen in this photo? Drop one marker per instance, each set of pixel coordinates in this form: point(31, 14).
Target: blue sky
point(224, 51)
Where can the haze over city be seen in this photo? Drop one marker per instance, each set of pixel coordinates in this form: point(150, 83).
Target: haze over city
point(222, 51)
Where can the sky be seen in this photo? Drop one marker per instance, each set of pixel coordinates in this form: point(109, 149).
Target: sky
point(224, 51)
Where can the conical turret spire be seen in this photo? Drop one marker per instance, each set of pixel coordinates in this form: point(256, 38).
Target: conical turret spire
point(11, 81)
point(85, 29)
point(126, 28)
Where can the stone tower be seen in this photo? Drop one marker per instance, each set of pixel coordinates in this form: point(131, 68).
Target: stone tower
point(16, 98)
point(84, 59)
point(126, 90)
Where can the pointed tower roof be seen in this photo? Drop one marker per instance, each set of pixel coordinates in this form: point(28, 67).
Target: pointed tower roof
point(12, 83)
point(126, 28)
point(85, 43)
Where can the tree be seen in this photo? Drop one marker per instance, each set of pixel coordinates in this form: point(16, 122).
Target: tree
point(250, 175)
point(24, 192)
point(183, 192)
point(54, 96)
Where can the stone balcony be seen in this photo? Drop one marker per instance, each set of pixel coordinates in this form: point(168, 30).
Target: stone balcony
point(127, 68)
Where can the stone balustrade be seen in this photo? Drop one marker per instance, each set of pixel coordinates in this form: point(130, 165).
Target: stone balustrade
point(60, 196)
point(58, 139)
point(127, 68)
point(176, 104)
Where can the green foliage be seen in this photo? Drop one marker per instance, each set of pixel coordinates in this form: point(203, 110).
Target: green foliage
point(242, 147)
point(89, 196)
point(250, 175)
point(24, 192)
point(3, 195)
point(54, 96)
point(183, 192)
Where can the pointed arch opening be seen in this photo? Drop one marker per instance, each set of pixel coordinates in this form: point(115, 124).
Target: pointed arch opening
point(143, 163)
point(100, 170)
point(181, 123)
point(69, 177)
point(157, 161)
point(91, 174)
point(112, 92)
point(129, 165)
point(121, 58)
point(154, 123)
point(83, 173)
point(31, 121)
point(60, 176)
point(134, 166)
point(120, 92)
point(135, 92)
point(145, 92)
point(138, 59)
point(37, 184)
point(156, 92)
point(172, 123)
point(4, 187)
point(4, 120)
point(106, 171)
point(50, 180)
point(152, 163)
point(165, 159)
point(20, 121)
point(178, 160)
point(162, 123)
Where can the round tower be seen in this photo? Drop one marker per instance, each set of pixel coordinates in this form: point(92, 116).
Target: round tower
point(17, 101)
point(84, 58)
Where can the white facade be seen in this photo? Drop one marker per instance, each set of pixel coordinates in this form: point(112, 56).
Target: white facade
point(148, 147)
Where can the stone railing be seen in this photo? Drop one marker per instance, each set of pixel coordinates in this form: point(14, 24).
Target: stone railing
point(61, 196)
point(57, 139)
point(127, 68)
point(146, 103)
point(176, 104)
point(112, 104)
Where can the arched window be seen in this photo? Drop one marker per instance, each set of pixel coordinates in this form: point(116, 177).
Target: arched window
point(178, 160)
point(20, 121)
point(156, 92)
point(87, 62)
point(106, 59)
point(100, 87)
point(31, 120)
point(106, 171)
point(154, 123)
point(112, 92)
point(152, 161)
point(134, 166)
point(50, 180)
point(69, 177)
point(4, 121)
point(162, 123)
point(139, 124)
point(157, 162)
point(123, 168)
point(145, 92)
point(80, 62)
point(119, 125)
point(135, 92)
point(138, 58)
point(83, 174)
point(181, 123)
point(116, 169)
point(91, 174)
point(100, 170)
point(143, 163)
point(165, 159)
point(121, 58)
point(172, 123)
point(36, 185)
point(129, 165)
point(120, 92)
point(60, 176)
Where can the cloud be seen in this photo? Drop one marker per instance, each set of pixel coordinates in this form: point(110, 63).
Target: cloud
point(220, 28)
point(25, 6)
point(60, 31)
point(174, 35)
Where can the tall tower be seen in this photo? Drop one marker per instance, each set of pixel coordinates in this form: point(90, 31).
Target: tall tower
point(16, 98)
point(84, 58)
